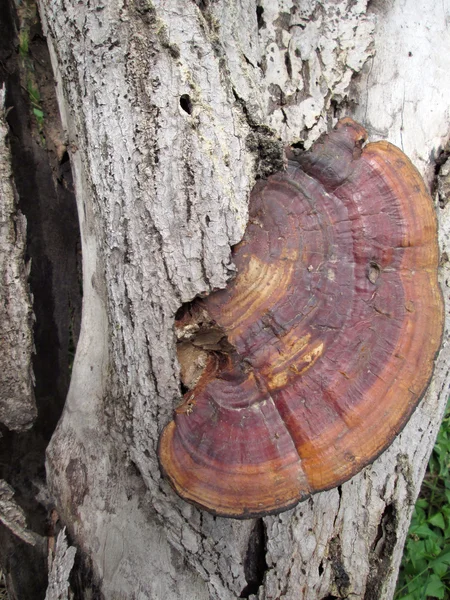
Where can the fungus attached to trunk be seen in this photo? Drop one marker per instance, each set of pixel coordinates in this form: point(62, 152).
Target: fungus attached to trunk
point(305, 368)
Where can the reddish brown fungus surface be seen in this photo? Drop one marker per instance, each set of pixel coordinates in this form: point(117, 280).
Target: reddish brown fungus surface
point(320, 349)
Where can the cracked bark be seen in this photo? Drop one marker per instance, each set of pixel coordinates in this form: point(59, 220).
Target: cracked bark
point(171, 110)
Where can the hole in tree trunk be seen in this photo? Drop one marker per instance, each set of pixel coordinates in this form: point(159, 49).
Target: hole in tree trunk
point(201, 343)
point(186, 103)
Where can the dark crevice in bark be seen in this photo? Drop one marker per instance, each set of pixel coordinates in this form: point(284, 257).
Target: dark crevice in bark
point(202, 4)
point(382, 551)
point(183, 388)
point(441, 180)
point(336, 108)
point(263, 143)
point(340, 576)
point(259, 17)
point(255, 565)
point(82, 581)
point(288, 64)
point(43, 180)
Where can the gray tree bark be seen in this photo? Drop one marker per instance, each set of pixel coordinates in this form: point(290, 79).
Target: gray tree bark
point(171, 109)
point(17, 403)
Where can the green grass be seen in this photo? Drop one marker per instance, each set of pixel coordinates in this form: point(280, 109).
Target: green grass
point(28, 17)
point(425, 569)
point(35, 100)
point(24, 42)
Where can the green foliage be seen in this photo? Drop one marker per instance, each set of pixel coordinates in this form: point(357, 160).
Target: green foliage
point(425, 570)
point(28, 17)
point(24, 41)
point(35, 100)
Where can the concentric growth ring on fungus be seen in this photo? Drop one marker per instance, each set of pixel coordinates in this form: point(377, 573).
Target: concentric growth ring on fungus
point(332, 326)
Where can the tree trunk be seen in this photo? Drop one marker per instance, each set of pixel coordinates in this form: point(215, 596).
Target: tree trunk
point(171, 110)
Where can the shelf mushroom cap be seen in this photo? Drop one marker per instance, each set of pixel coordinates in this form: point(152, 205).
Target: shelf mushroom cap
point(332, 326)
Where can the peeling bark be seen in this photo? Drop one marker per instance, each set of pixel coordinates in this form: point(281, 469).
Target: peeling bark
point(171, 110)
point(12, 516)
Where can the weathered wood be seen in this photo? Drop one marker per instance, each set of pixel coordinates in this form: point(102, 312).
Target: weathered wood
point(39, 172)
point(60, 568)
point(171, 109)
point(12, 516)
point(17, 403)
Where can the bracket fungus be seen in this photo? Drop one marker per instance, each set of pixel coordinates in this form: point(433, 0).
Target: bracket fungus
point(305, 368)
